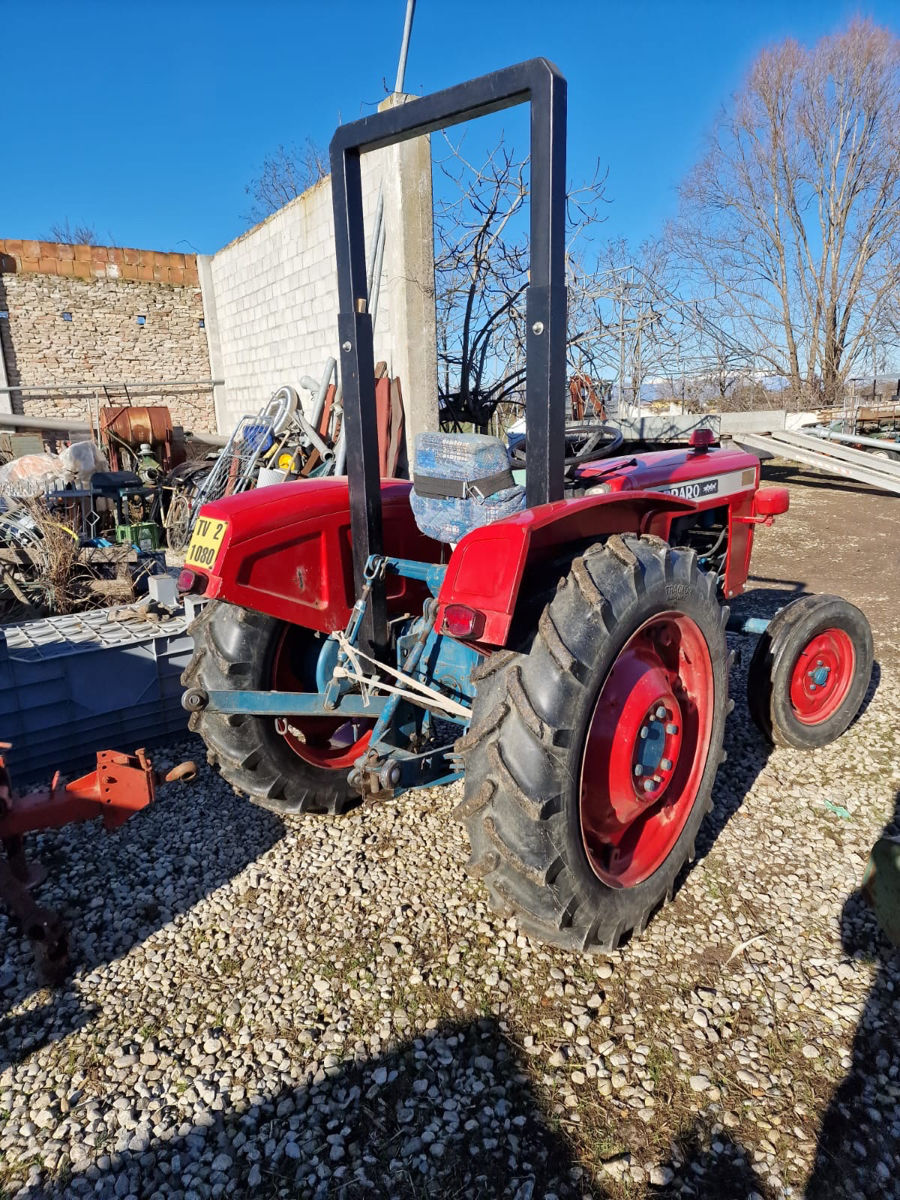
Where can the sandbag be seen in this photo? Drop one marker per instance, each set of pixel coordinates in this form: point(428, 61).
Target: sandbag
point(32, 475)
point(81, 460)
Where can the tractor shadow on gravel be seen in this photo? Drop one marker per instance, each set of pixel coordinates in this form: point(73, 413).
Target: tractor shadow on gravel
point(115, 890)
point(451, 1113)
point(858, 1152)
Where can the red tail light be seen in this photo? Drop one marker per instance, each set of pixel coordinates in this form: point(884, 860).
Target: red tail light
point(191, 583)
point(461, 621)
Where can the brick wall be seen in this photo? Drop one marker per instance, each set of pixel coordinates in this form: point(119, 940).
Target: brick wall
point(73, 318)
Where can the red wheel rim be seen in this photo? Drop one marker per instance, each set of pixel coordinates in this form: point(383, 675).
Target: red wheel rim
point(646, 749)
point(328, 742)
point(822, 676)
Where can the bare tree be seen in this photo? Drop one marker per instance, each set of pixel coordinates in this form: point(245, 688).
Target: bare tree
point(481, 274)
point(288, 172)
point(792, 218)
point(72, 235)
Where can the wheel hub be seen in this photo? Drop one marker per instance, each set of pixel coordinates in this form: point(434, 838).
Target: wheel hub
point(819, 675)
point(822, 676)
point(645, 749)
point(656, 750)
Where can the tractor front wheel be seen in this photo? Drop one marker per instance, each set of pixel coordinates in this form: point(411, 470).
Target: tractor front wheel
point(810, 671)
point(592, 752)
point(287, 766)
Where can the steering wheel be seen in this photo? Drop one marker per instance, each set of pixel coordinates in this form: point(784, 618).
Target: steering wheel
point(589, 440)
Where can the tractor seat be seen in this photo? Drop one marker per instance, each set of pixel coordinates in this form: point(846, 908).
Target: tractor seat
point(461, 481)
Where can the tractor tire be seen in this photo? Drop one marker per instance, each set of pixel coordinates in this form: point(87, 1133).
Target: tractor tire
point(235, 649)
point(815, 633)
point(569, 835)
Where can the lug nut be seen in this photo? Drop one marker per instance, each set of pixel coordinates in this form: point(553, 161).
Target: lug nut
point(638, 770)
point(644, 731)
point(812, 687)
point(666, 764)
point(649, 785)
point(661, 712)
point(671, 730)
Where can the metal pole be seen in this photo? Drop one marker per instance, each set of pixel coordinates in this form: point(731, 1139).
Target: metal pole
point(319, 406)
point(92, 387)
point(404, 45)
point(545, 299)
point(539, 82)
point(622, 412)
point(376, 234)
point(375, 290)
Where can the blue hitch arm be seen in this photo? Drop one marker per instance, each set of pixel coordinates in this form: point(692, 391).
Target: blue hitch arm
point(281, 704)
point(748, 625)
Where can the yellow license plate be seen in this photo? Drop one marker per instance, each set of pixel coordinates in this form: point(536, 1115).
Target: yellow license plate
point(205, 542)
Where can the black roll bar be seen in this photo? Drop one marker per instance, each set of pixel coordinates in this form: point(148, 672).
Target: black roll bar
point(539, 83)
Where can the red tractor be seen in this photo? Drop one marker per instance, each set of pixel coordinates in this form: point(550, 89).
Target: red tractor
point(559, 645)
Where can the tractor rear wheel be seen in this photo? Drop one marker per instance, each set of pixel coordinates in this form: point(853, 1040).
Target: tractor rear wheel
point(592, 752)
point(810, 671)
point(294, 766)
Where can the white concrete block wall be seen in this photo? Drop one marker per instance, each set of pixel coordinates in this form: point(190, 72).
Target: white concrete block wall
point(274, 292)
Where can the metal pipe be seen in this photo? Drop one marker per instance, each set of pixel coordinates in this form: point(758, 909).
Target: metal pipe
point(340, 453)
point(822, 462)
point(284, 704)
point(312, 434)
point(319, 406)
point(404, 45)
point(376, 236)
point(875, 443)
point(62, 425)
point(121, 383)
point(14, 421)
point(376, 285)
point(748, 625)
point(845, 454)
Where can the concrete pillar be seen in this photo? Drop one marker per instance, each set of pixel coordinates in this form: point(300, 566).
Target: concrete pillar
point(409, 276)
point(213, 341)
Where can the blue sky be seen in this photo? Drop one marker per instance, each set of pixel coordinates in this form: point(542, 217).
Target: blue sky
point(146, 121)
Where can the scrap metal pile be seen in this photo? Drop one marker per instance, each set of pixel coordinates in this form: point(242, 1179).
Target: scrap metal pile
point(85, 527)
point(280, 443)
point(119, 786)
point(80, 528)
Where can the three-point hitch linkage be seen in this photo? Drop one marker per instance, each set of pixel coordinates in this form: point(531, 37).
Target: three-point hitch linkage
point(120, 785)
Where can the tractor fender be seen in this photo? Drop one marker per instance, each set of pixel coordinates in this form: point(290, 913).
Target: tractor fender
point(286, 551)
point(487, 567)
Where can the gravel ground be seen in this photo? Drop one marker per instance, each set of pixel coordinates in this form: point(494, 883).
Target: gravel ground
point(324, 1007)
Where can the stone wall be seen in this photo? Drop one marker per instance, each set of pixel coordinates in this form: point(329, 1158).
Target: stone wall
point(95, 315)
